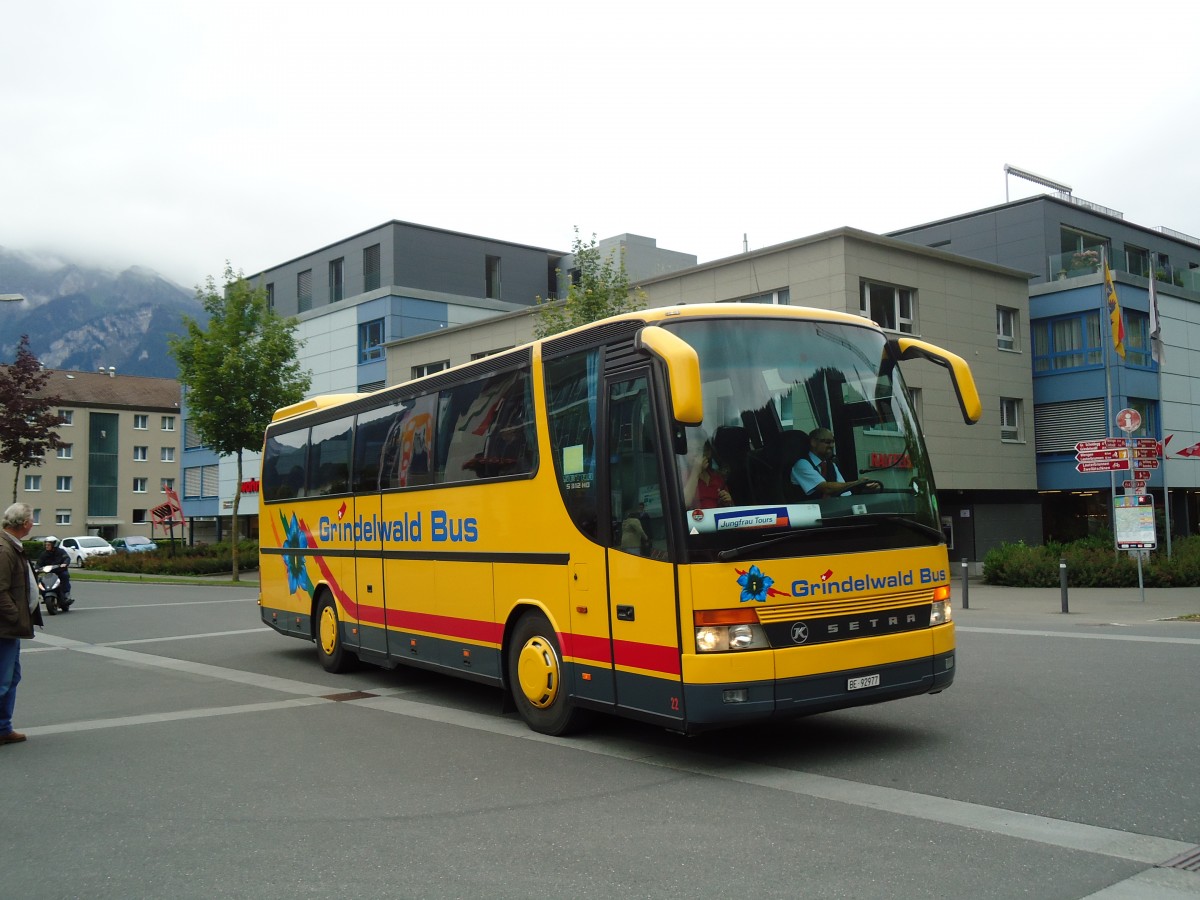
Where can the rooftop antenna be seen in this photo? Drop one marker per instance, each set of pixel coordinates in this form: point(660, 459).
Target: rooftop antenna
point(745, 243)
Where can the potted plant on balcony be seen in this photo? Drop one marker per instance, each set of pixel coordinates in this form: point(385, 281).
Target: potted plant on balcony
point(1085, 261)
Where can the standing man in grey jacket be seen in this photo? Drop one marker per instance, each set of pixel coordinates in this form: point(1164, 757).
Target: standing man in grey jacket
point(19, 611)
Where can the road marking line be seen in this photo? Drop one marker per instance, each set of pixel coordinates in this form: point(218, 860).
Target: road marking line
point(1072, 634)
point(135, 606)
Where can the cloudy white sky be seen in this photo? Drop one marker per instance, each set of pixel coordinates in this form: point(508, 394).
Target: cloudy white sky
point(178, 135)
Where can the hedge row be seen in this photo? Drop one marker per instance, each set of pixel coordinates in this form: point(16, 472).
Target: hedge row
point(202, 559)
point(1093, 562)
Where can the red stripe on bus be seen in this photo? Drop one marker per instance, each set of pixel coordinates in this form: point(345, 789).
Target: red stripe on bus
point(446, 626)
point(651, 657)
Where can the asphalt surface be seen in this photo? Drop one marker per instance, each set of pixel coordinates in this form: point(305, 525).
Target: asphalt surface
point(178, 748)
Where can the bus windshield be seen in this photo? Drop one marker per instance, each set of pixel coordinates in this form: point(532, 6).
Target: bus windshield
point(809, 431)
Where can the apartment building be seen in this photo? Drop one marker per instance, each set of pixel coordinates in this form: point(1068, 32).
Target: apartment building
point(120, 448)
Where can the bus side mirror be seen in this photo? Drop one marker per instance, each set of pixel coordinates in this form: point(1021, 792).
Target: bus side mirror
point(683, 371)
point(960, 372)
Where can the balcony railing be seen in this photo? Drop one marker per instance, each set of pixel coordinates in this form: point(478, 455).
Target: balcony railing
point(1079, 263)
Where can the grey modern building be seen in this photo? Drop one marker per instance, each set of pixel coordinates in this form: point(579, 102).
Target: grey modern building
point(985, 473)
point(1081, 383)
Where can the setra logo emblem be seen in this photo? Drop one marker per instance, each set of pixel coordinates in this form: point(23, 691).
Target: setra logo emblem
point(799, 632)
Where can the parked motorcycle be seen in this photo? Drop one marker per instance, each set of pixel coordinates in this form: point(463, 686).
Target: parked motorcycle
point(50, 587)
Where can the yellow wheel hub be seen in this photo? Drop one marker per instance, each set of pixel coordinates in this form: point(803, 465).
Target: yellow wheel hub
point(328, 631)
point(538, 671)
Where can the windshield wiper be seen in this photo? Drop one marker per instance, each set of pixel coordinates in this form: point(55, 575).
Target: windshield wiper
point(867, 518)
point(837, 523)
point(736, 552)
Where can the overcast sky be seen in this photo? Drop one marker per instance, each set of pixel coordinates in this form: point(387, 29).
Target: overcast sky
point(178, 135)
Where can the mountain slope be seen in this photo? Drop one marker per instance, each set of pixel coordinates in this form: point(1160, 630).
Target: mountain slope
point(84, 318)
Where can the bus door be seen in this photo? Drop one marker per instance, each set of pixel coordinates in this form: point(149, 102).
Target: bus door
point(368, 578)
point(643, 607)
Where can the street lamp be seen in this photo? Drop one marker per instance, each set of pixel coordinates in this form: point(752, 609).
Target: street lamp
point(11, 298)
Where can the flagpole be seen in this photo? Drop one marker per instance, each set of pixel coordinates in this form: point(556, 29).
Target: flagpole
point(1157, 356)
point(1109, 411)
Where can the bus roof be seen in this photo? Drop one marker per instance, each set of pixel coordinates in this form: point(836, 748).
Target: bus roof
point(653, 315)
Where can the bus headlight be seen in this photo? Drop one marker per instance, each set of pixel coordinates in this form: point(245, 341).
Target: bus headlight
point(941, 613)
point(721, 638)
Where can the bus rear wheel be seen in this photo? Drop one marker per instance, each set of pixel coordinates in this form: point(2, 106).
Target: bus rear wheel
point(535, 677)
point(330, 650)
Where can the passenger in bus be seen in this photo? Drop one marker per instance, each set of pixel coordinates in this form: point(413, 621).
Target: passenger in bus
point(817, 472)
point(704, 486)
point(633, 534)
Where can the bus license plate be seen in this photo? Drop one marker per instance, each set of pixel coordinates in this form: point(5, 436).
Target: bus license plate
point(866, 681)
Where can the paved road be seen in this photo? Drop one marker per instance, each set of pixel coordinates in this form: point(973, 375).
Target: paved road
point(180, 749)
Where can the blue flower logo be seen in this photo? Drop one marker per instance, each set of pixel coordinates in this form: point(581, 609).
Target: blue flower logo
point(755, 585)
point(296, 571)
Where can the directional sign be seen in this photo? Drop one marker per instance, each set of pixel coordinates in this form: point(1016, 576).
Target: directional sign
point(1137, 484)
point(1143, 453)
point(1145, 443)
point(1102, 465)
point(1146, 463)
point(1102, 454)
point(1142, 473)
point(1104, 444)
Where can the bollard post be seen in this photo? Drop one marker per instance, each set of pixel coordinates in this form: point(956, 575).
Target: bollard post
point(1062, 582)
point(966, 601)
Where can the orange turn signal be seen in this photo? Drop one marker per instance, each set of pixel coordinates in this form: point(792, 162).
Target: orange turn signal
point(743, 616)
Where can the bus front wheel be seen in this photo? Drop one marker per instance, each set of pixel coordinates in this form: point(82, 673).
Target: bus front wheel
point(535, 677)
point(333, 654)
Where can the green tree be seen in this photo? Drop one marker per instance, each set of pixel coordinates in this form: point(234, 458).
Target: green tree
point(27, 427)
point(601, 289)
point(237, 371)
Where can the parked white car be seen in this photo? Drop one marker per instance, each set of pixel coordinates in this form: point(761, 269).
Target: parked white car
point(80, 548)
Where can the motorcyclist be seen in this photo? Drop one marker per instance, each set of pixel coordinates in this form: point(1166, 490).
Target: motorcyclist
point(56, 556)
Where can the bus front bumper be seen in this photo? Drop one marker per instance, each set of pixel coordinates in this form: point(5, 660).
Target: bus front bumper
point(710, 706)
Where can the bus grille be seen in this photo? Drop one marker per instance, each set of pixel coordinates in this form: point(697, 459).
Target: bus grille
point(834, 606)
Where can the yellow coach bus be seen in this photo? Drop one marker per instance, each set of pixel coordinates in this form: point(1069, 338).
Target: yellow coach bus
point(695, 516)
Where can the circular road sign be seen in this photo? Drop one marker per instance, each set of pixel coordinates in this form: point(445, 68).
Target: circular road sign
point(1129, 420)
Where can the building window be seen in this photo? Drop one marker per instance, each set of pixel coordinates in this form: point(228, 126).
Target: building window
point(141, 454)
point(200, 482)
point(167, 484)
point(430, 368)
point(1137, 338)
point(37, 515)
point(33, 482)
point(66, 451)
point(371, 268)
point(62, 517)
point(304, 290)
point(1006, 328)
point(491, 278)
point(141, 422)
point(1137, 261)
point(139, 485)
point(370, 340)
point(486, 353)
point(191, 437)
point(139, 517)
point(1010, 419)
point(1070, 342)
point(167, 454)
point(1148, 410)
point(893, 308)
point(63, 483)
point(271, 295)
point(66, 416)
point(335, 281)
point(168, 423)
point(781, 297)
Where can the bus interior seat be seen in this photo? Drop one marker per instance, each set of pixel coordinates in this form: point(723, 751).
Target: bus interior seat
point(793, 446)
point(731, 445)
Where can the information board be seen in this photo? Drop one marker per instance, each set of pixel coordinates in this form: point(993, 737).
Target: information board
point(1134, 520)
